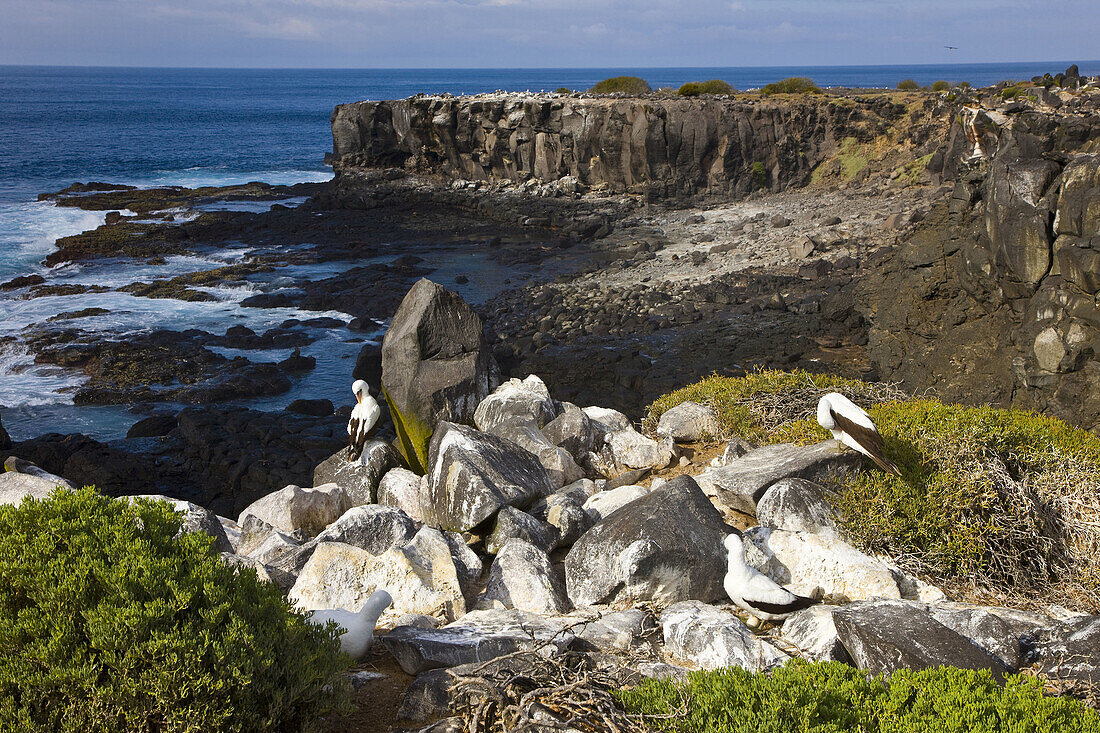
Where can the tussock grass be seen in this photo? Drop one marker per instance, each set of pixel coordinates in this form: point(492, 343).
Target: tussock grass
point(991, 503)
point(624, 84)
point(791, 85)
point(713, 86)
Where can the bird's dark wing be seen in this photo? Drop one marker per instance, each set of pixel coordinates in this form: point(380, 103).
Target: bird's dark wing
point(797, 604)
point(869, 440)
point(355, 439)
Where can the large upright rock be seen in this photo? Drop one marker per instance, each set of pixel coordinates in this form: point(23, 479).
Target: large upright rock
point(665, 547)
point(473, 474)
point(435, 366)
point(5, 439)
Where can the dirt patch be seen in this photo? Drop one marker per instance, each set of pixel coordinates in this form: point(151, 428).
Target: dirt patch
point(376, 702)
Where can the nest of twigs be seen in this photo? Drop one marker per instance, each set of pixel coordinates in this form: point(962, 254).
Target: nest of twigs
point(525, 691)
point(775, 409)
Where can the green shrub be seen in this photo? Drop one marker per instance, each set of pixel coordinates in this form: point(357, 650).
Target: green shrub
point(109, 624)
point(832, 697)
point(963, 85)
point(750, 406)
point(908, 85)
point(940, 86)
point(714, 86)
point(1012, 92)
point(792, 85)
point(624, 84)
point(987, 497)
point(759, 175)
point(563, 90)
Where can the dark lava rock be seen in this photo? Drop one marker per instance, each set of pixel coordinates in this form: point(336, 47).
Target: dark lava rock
point(153, 426)
point(297, 364)
point(883, 636)
point(665, 547)
point(237, 455)
point(5, 439)
point(435, 362)
point(171, 366)
point(317, 408)
point(23, 281)
point(473, 474)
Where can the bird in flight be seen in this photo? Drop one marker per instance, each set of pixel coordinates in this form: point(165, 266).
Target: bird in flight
point(953, 48)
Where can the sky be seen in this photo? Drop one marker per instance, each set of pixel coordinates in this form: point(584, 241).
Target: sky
point(542, 33)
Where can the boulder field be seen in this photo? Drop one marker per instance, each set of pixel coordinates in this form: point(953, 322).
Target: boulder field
point(492, 552)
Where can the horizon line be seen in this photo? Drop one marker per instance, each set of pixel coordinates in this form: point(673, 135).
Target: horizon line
point(530, 68)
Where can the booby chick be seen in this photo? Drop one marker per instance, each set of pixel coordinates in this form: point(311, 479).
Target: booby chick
point(755, 592)
point(358, 627)
point(851, 426)
point(364, 417)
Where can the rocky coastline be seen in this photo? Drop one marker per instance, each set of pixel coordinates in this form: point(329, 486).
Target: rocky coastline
point(618, 248)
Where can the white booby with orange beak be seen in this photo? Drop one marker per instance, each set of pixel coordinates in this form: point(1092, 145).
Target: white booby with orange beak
point(363, 419)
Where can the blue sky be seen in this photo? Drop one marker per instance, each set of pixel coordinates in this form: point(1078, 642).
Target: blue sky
point(542, 33)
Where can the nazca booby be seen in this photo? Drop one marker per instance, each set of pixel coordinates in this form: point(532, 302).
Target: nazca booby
point(851, 426)
point(755, 592)
point(358, 626)
point(364, 417)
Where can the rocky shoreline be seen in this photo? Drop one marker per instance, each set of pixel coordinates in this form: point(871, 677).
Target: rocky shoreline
point(542, 530)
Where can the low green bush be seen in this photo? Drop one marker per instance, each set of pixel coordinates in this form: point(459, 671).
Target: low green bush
point(1012, 92)
point(987, 497)
point(759, 174)
point(940, 86)
point(714, 86)
point(908, 85)
point(832, 697)
point(624, 84)
point(563, 90)
point(792, 85)
point(108, 623)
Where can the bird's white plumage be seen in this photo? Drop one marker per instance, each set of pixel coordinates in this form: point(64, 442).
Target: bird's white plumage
point(363, 416)
point(835, 407)
point(843, 406)
point(358, 625)
point(745, 584)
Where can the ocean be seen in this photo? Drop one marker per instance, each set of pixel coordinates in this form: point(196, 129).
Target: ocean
point(219, 126)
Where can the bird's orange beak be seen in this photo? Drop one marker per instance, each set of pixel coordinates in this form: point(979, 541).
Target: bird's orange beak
point(359, 397)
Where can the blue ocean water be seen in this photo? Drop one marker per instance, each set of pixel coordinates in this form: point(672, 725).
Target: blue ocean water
point(219, 126)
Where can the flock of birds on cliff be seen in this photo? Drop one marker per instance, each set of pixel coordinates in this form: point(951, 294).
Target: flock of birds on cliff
point(747, 587)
